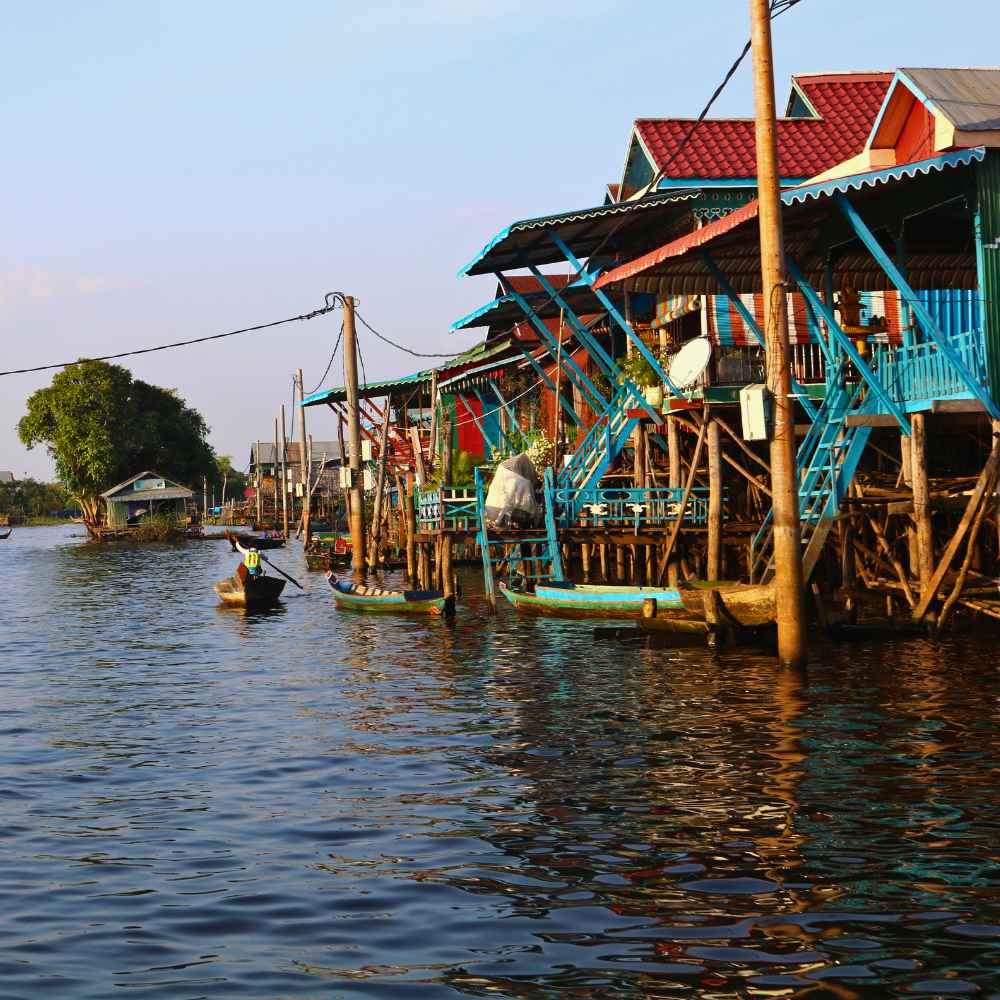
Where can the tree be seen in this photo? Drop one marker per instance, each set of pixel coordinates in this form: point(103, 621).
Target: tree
point(32, 499)
point(101, 426)
point(231, 480)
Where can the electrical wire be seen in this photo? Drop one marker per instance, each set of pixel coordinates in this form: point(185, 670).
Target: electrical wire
point(328, 307)
point(401, 347)
point(329, 364)
point(497, 409)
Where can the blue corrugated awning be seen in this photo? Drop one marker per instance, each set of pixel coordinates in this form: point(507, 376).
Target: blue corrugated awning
point(504, 311)
point(873, 178)
point(584, 231)
point(369, 390)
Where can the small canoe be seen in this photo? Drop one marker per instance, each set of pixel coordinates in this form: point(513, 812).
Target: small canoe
point(578, 600)
point(404, 602)
point(258, 542)
point(256, 592)
point(5, 534)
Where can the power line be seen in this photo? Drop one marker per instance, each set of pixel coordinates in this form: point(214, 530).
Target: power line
point(329, 307)
point(329, 364)
point(401, 347)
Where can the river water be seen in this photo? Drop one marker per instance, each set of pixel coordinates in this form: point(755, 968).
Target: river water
point(308, 803)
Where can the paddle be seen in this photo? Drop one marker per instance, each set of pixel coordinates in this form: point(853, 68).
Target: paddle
point(282, 572)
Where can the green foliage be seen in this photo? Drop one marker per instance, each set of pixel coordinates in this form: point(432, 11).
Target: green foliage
point(158, 528)
point(32, 499)
point(639, 370)
point(101, 426)
point(463, 466)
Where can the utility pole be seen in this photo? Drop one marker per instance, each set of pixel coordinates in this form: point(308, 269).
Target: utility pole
point(354, 441)
point(284, 477)
point(306, 461)
point(789, 583)
point(274, 476)
point(258, 487)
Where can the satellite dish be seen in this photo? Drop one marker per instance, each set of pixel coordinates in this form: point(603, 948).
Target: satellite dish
point(690, 361)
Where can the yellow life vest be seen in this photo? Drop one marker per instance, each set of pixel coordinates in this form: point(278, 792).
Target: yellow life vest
point(252, 560)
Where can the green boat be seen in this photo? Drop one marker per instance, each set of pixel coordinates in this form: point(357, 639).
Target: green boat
point(580, 600)
point(402, 602)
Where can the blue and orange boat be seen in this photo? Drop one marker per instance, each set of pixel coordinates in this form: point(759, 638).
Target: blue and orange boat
point(401, 602)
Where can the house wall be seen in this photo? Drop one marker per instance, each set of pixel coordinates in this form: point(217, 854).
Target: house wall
point(916, 139)
point(988, 182)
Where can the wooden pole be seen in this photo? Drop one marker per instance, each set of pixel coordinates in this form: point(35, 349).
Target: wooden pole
point(682, 505)
point(674, 459)
point(447, 580)
point(258, 483)
point(383, 451)
point(274, 476)
point(434, 416)
point(354, 439)
point(306, 462)
point(204, 499)
point(921, 501)
point(784, 479)
point(713, 562)
point(284, 476)
point(557, 408)
point(411, 531)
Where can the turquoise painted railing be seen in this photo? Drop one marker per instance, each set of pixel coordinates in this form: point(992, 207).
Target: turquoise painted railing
point(452, 507)
point(608, 507)
point(920, 372)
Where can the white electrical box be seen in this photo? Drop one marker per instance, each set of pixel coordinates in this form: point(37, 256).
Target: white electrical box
point(366, 450)
point(369, 478)
point(755, 411)
point(345, 477)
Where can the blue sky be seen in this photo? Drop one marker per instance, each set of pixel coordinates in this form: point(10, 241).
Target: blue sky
point(177, 169)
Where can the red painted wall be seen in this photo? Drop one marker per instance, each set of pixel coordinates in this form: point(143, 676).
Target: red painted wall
point(916, 139)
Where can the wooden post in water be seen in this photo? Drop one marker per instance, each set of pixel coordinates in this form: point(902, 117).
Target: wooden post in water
point(274, 476)
point(284, 476)
point(713, 562)
point(306, 463)
point(354, 439)
point(784, 478)
point(411, 531)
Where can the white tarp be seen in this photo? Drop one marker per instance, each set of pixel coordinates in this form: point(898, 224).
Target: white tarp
point(511, 496)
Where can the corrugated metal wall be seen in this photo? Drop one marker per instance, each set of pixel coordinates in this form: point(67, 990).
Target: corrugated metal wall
point(988, 175)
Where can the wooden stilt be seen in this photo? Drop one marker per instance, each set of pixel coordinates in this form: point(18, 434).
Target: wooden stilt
point(921, 501)
point(674, 459)
point(713, 562)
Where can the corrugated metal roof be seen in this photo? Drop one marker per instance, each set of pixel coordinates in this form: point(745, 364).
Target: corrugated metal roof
point(367, 390)
point(145, 474)
point(170, 493)
point(846, 104)
point(527, 242)
point(968, 98)
point(373, 390)
point(745, 274)
point(504, 311)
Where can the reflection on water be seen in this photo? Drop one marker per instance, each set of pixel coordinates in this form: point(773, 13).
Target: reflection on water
point(298, 802)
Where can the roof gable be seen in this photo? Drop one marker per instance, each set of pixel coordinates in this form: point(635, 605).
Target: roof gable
point(138, 484)
point(841, 108)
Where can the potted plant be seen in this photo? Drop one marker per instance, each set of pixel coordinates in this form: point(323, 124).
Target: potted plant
point(638, 370)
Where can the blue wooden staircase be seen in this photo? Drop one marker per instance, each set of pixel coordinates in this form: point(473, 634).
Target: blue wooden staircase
point(827, 461)
point(602, 445)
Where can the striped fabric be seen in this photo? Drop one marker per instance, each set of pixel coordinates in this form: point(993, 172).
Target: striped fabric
point(674, 306)
point(726, 328)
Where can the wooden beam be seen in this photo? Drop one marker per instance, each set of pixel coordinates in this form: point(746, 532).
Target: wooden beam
point(870, 420)
point(957, 406)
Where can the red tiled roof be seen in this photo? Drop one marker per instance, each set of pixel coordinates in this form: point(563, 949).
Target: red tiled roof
point(848, 104)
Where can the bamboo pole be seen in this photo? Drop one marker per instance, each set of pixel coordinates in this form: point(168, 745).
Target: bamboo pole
point(447, 578)
point(274, 478)
point(784, 479)
point(354, 439)
point(258, 485)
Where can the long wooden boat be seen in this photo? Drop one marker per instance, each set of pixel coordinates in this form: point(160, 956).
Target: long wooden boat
point(717, 603)
point(405, 602)
point(254, 592)
point(580, 600)
point(253, 541)
point(6, 534)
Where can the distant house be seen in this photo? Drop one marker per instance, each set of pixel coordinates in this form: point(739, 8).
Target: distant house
point(145, 495)
point(327, 452)
point(6, 477)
